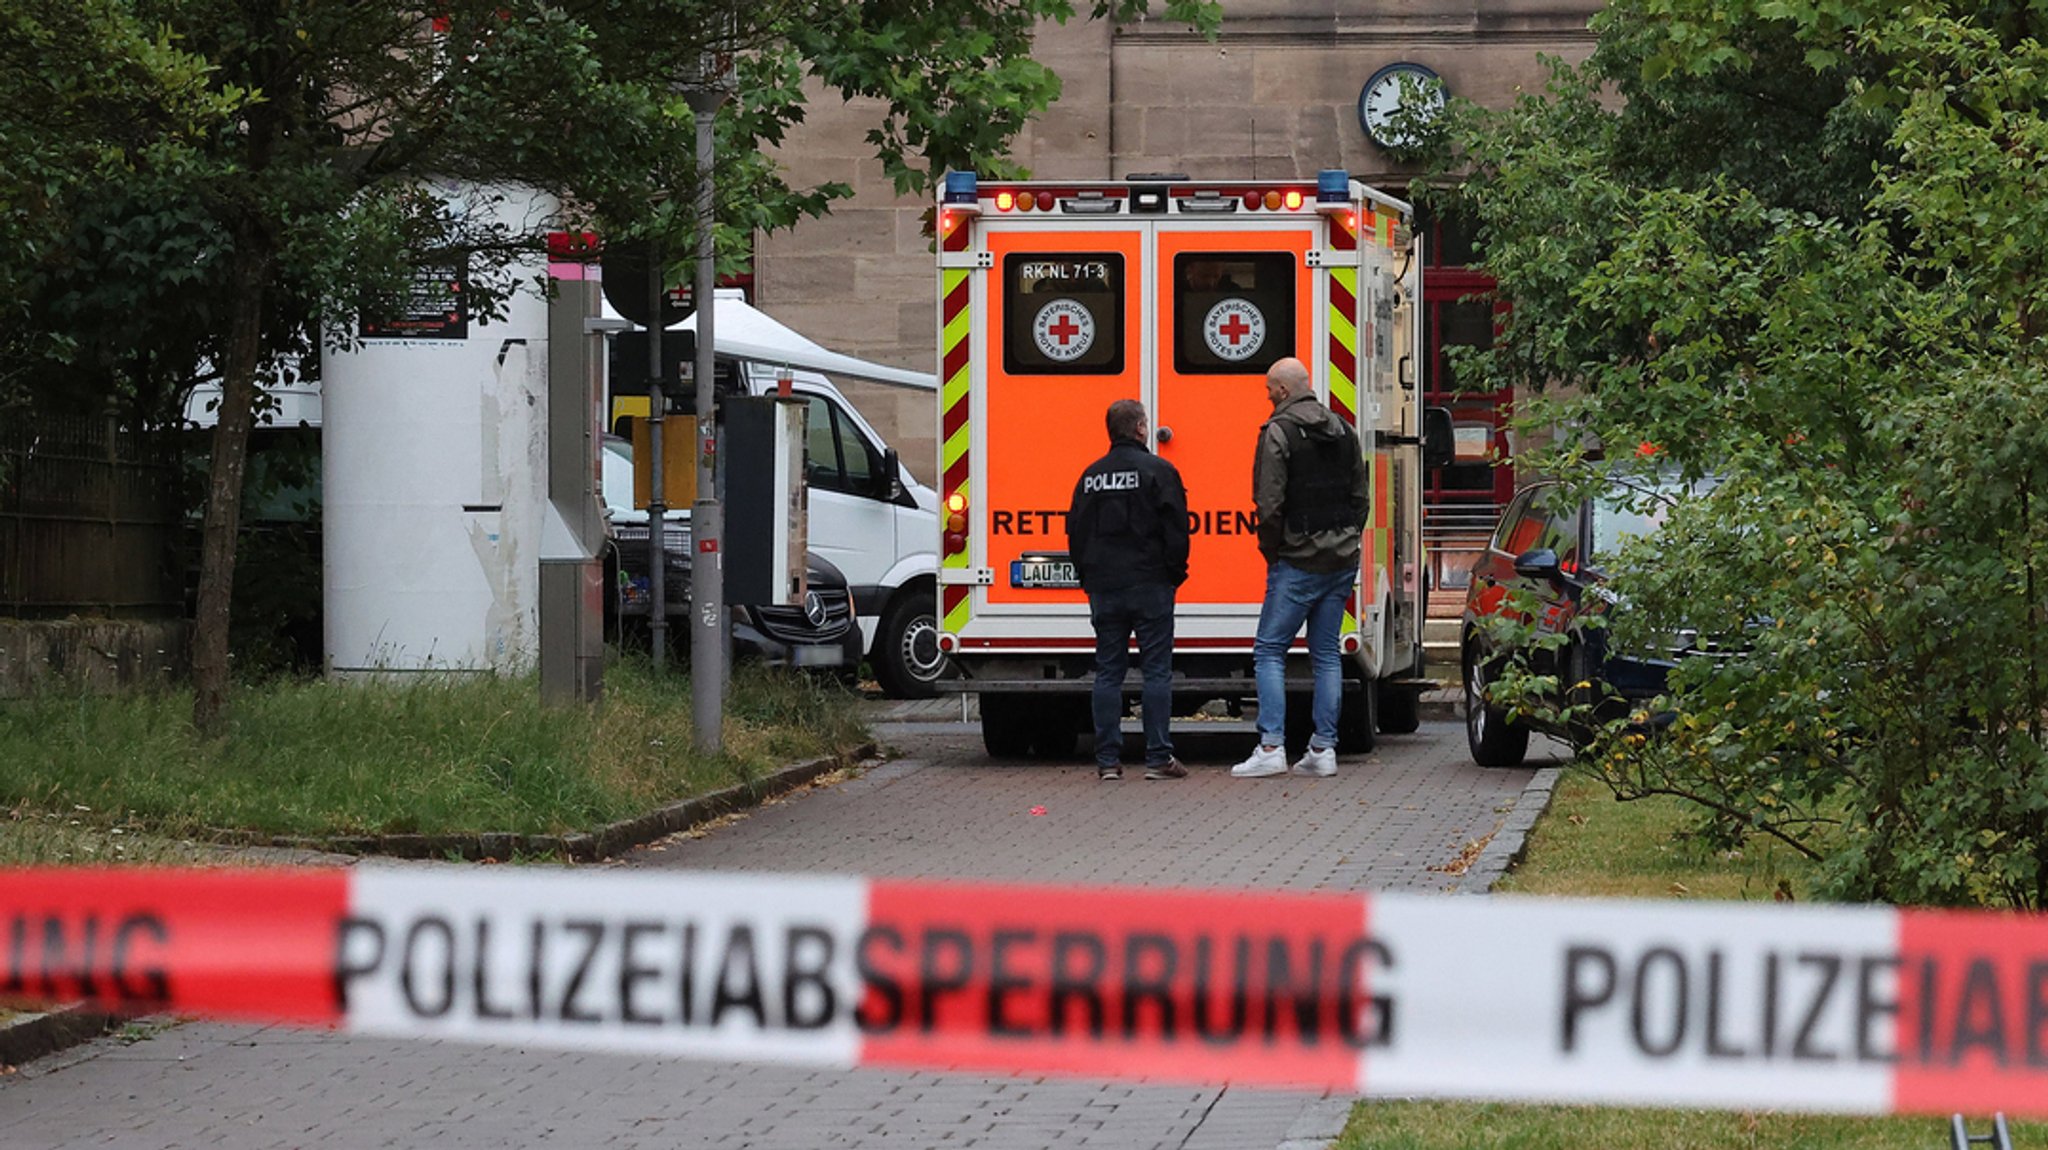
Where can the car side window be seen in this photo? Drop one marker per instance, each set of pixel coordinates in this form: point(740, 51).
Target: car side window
point(1519, 526)
point(1564, 537)
point(1541, 517)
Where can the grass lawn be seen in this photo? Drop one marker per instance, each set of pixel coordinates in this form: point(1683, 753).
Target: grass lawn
point(1589, 845)
point(86, 778)
point(122, 779)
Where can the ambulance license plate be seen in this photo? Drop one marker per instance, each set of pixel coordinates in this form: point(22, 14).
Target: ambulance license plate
point(1043, 573)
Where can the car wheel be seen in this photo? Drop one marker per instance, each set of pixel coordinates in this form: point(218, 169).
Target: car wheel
point(908, 662)
point(1495, 740)
point(1007, 723)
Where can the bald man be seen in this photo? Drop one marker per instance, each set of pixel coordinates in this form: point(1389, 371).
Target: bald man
point(1308, 481)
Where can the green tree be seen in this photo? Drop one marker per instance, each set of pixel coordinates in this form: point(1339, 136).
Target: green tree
point(90, 97)
point(253, 173)
point(1799, 245)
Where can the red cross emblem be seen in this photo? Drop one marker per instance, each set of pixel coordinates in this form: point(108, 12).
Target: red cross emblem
point(1063, 330)
point(1234, 329)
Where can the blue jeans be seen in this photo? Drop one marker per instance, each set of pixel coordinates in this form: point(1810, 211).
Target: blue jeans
point(1148, 611)
point(1292, 597)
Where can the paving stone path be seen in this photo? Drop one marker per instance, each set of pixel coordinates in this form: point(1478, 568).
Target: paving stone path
point(1400, 818)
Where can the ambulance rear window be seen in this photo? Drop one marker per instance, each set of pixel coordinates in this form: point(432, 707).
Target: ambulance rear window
point(1062, 313)
point(1233, 311)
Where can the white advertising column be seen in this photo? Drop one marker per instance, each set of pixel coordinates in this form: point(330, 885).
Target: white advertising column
point(435, 475)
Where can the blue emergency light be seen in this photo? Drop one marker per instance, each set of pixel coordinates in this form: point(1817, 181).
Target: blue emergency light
point(960, 190)
point(1333, 189)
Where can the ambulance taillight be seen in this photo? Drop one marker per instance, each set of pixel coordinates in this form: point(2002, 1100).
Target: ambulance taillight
point(956, 523)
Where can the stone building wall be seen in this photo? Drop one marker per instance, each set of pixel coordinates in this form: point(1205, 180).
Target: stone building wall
point(1274, 97)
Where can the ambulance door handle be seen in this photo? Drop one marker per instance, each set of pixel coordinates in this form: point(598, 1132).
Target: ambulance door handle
point(1165, 435)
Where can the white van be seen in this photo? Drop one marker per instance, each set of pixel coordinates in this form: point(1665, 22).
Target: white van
point(868, 514)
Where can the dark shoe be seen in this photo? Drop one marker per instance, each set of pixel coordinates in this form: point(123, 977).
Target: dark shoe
point(1109, 774)
point(1170, 769)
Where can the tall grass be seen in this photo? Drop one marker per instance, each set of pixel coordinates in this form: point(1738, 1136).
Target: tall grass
point(443, 756)
point(1590, 845)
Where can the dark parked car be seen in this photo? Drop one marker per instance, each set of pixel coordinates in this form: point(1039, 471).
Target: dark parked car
point(819, 632)
point(1545, 559)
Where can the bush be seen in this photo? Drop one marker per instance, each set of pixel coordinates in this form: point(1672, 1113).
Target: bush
point(1886, 714)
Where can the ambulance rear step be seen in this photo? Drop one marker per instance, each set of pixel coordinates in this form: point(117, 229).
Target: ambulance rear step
point(1241, 684)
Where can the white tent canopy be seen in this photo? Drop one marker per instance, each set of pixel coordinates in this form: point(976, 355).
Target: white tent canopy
point(746, 332)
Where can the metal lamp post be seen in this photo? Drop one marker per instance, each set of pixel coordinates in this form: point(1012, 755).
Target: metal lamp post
point(707, 570)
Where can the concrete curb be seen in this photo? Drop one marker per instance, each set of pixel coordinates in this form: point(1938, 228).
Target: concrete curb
point(1319, 1125)
point(1505, 848)
point(34, 1035)
point(31, 1036)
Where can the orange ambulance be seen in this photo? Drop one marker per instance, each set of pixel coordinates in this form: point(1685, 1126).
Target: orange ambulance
point(1057, 298)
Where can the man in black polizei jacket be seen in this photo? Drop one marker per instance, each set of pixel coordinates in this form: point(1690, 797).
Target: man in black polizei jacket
point(1127, 533)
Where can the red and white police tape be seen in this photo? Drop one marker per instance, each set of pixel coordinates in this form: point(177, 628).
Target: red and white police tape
point(1849, 1009)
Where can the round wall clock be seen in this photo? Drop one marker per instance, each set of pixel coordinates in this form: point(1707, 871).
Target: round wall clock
point(1383, 95)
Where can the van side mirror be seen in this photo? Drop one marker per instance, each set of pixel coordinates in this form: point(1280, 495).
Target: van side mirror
point(889, 484)
point(1439, 442)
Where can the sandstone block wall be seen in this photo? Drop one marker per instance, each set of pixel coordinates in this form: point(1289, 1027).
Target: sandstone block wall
point(1274, 97)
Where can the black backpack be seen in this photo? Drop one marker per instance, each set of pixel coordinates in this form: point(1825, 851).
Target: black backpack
point(1321, 469)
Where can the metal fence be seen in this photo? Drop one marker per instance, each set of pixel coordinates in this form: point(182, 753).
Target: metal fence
point(90, 516)
point(1453, 535)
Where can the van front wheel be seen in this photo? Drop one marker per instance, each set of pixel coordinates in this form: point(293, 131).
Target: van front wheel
point(908, 663)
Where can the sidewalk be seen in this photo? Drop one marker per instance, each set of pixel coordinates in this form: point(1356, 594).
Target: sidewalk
point(1401, 818)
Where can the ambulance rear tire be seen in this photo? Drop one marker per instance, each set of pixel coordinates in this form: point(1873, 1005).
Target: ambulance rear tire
point(1400, 708)
point(1355, 720)
point(908, 663)
point(1300, 724)
point(1006, 725)
point(1056, 724)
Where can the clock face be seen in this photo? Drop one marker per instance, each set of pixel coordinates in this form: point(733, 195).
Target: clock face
point(1382, 96)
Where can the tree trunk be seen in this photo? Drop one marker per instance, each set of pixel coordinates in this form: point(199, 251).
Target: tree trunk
point(230, 457)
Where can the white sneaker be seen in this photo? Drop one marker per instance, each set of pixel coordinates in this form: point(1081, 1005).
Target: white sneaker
point(1264, 763)
point(1319, 761)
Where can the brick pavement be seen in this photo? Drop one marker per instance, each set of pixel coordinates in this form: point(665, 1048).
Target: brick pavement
point(943, 810)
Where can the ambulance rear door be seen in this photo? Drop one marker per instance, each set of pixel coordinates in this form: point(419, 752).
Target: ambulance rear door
point(1064, 338)
point(1233, 294)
